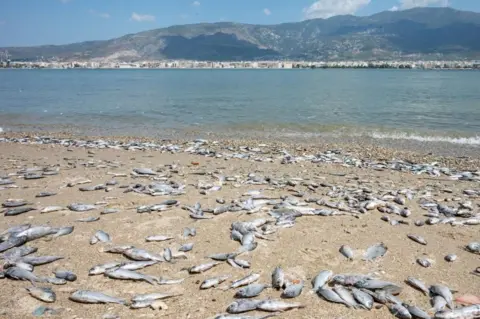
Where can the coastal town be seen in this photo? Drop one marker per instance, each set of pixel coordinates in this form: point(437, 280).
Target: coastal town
point(186, 64)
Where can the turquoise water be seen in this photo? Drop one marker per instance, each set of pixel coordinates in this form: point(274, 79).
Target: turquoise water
point(411, 104)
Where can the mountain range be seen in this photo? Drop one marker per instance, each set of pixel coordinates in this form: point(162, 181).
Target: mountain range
point(434, 33)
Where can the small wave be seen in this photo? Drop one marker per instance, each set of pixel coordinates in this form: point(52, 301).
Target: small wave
point(1, 130)
point(473, 140)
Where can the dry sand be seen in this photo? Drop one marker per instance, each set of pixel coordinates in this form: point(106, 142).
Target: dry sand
point(310, 246)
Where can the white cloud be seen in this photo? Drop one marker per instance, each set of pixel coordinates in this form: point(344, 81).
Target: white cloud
point(267, 11)
point(408, 4)
point(394, 8)
point(142, 17)
point(196, 3)
point(329, 8)
point(103, 15)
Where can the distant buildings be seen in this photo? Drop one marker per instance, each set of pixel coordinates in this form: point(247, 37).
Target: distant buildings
point(184, 64)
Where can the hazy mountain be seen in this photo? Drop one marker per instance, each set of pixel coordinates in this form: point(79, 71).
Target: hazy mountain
point(420, 32)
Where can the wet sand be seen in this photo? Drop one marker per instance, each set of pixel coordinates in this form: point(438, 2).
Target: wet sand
point(302, 251)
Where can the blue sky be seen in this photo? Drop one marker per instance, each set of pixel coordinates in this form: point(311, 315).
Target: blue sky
point(36, 22)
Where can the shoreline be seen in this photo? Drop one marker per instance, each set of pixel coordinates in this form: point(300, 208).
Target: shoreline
point(362, 150)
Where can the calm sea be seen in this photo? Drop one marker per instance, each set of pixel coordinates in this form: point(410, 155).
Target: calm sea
point(400, 104)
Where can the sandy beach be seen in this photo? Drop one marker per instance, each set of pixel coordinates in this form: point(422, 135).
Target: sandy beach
point(302, 251)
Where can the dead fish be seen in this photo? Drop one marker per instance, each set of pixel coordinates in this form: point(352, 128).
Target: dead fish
point(63, 231)
point(272, 305)
point(321, 279)
point(439, 303)
point(417, 239)
point(77, 207)
point(18, 264)
point(213, 282)
point(42, 294)
point(243, 317)
point(165, 281)
point(375, 251)
point(444, 292)
point(239, 263)
point(202, 268)
point(55, 281)
point(119, 249)
point(374, 284)
point(474, 247)
point(101, 236)
point(418, 284)
point(45, 194)
point(92, 188)
point(424, 262)
point(119, 273)
point(88, 219)
point(158, 238)
point(17, 273)
point(12, 203)
point(86, 296)
point(37, 232)
point(399, 311)
point(343, 293)
point(346, 251)
point(40, 260)
point(293, 291)
point(144, 171)
point(278, 278)
point(141, 255)
point(243, 305)
point(108, 211)
point(363, 298)
point(451, 257)
point(17, 211)
point(12, 242)
point(167, 254)
point(189, 232)
point(245, 281)
point(330, 295)
point(154, 296)
point(186, 247)
point(51, 209)
point(460, 313)
point(18, 252)
point(222, 256)
point(136, 265)
point(100, 269)
point(65, 274)
point(250, 291)
point(416, 312)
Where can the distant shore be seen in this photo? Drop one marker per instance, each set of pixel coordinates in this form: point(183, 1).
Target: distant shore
point(185, 64)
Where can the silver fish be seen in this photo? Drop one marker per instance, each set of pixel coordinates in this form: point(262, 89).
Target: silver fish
point(136, 265)
point(272, 305)
point(158, 238)
point(100, 269)
point(51, 209)
point(451, 257)
point(417, 312)
point(439, 303)
point(330, 295)
point(167, 254)
point(86, 296)
point(278, 278)
point(399, 311)
point(119, 249)
point(17, 211)
point(108, 211)
point(250, 291)
point(363, 298)
point(186, 247)
point(18, 252)
point(10, 203)
point(375, 251)
point(125, 274)
point(245, 281)
point(321, 279)
point(213, 282)
point(293, 291)
point(418, 284)
point(343, 293)
point(77, 207)
point(444, 292)
point(418, 239)
point(243, 305)
point(141, 255)
point(474, 247)
point(202, 268)
point(460, 313)
point(241, 263)
point(424, 262)
point(63, 231)
point(65, 274)
point(155, 296)
point(43, 294)
point(165, 281)
point(88, 219)
point(40, 260)
point(22, 274)
point(244, 317)
point(223, 257)
point(45, 194)
point(37, 232)
point(346, 251)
